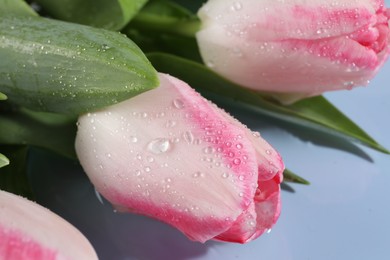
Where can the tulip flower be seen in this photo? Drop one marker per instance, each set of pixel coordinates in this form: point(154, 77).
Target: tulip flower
point(172, 155)
point(29, 231)
point(295, 49)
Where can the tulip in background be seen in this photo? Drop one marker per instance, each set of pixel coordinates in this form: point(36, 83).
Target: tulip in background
point(172, 155)
point(29, 231)
point(295, 49)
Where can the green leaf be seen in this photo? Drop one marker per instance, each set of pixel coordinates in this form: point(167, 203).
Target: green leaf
point(3, 96)
point(316, 113)
point(16, 7)
point(112, 14)
point(4, 161)
point(164, 16)
point(13, 178)
point(54, 132)
point(289, 176)
point(54, 66)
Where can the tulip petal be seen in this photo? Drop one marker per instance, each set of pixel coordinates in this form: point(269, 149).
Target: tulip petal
point(172, 155)
point(29, 231)
point(261, 20)
point(317, 46)
point(259, 217)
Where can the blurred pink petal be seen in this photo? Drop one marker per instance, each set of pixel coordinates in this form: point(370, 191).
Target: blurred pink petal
point(29, 231)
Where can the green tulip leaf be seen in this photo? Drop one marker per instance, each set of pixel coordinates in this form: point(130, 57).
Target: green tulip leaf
point(55, 132)
point(164, 16)
point(112, 15)
point(316, 113)
point(55, 66)
point(4, 161)
point(16, 7)
point(3, 96)
point(289, 176)
point(13, 178)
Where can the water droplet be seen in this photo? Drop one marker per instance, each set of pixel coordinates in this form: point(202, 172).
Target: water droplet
point(133, 139)
point(208, 150)
point(210, 64)
point(150, 159)
point(188, 137)
point(178, 103)
point(225, 175)
point(198, 174)
point(239, 146)
point(237, 161)
point(159, 145)
point(105, 47)
point(256, 134)
point(147, 169)
point(241, 194)
point(268, 152)
point(170, 124)
point(237, 6)
point(241, 177)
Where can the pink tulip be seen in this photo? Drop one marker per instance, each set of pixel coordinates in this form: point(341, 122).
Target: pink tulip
point(28, 231)
point(297, 48)
point(172, 155)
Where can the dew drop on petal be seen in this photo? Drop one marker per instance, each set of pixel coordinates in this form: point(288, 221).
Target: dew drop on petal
point(133, 139)
point(170, 124)
point(236, 161)
point(178, 103)
point(188, 137)
point(237, 6)
point(159, 145)
point(256, 134)
point(208, 150)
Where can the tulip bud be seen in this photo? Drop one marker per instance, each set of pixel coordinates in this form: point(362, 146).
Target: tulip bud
point(29, 231)
point(295, 49)
point(170, 154)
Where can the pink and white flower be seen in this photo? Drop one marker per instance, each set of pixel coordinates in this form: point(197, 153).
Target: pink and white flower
point(172, 155)
point(300, 48)
point(30, 231)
